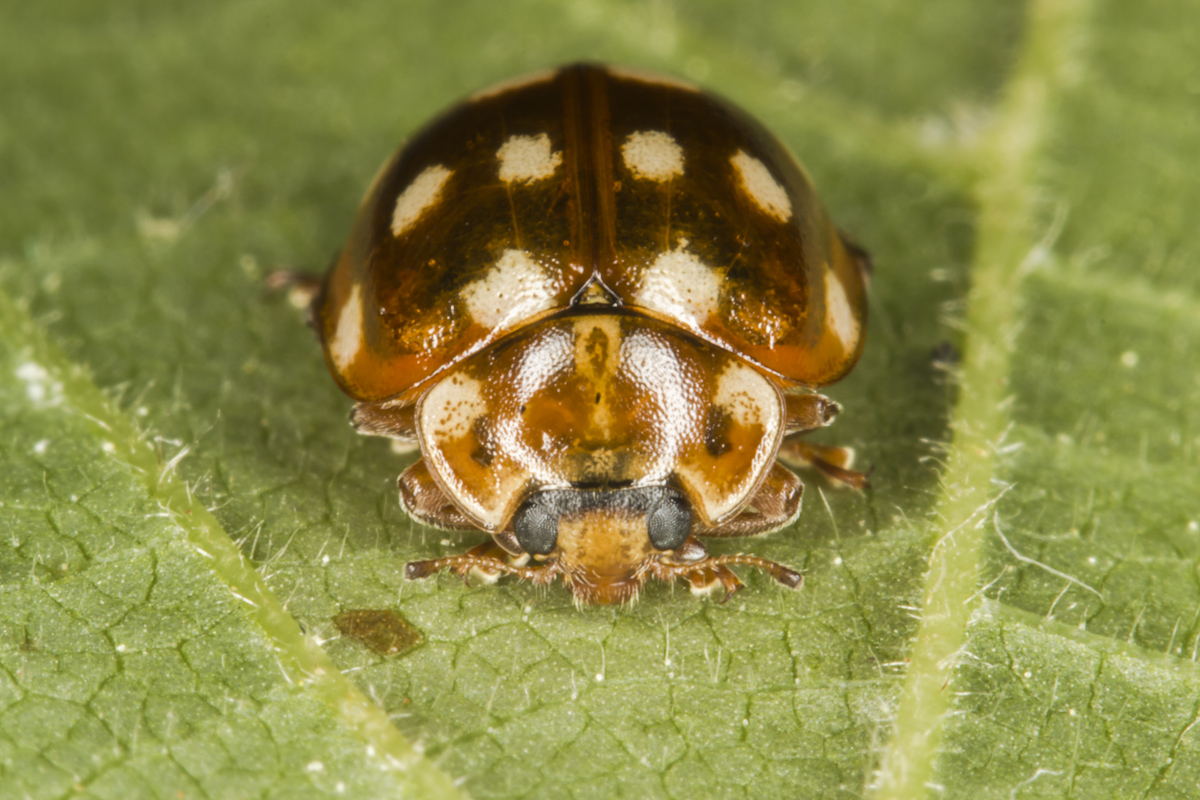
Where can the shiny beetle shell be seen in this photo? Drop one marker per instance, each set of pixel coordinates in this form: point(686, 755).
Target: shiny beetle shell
point(598, 301)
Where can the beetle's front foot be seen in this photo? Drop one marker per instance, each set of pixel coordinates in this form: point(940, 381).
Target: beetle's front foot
point(487, 561)
point(708, 580)
point(488, 570)
point(706, 574)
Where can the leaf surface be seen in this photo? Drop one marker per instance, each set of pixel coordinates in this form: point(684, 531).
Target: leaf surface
point(1011, 611)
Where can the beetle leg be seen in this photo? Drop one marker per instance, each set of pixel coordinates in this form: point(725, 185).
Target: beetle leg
point(480, 555)
point(809, 411)
point(862, 259)
point(785, 575)
point(832, 462)
point(707, 577)
point(380, 419)
point(302, 287)
point(774, 505)
point(464, 564)
point(712, 572)
point(424, 501)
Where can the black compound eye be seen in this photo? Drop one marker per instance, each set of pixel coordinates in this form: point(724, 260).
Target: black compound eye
point(669, 522)
point(536, 528)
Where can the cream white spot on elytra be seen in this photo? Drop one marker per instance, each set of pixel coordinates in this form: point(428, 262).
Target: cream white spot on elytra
point(519, 82)
point(748, 397)
point(761, 187)
point(347, 335)
point(653, 155)
point(420, 195)
point(525, 159)
point(680, 286)
point(513, 290)
point(652, 78)
point(839, 317)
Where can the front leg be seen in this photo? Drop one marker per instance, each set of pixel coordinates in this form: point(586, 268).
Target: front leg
point(707, 573)
point(423, 500)
point(774, 505)
point(486, 562)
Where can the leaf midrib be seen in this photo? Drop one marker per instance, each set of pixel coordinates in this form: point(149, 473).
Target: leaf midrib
point(1008, 238)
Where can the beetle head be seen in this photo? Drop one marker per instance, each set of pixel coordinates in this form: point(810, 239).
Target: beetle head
point(603, 543)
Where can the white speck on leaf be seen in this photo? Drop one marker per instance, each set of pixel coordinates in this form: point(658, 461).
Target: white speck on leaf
point(40, 388)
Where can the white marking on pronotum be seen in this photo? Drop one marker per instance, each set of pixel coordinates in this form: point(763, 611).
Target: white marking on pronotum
point(654, 155)
point(525, 159)
point(762, 187)
point(422, 193)
point(519, 82)
point(348, 335)
point(452, 408)
point(513, 290)
point(652, 78)
point(597, 356)
point(839, 317)
point(748, 397)
point(752, 402)
point(445, 418)
point(596, 335)
point(681, 286)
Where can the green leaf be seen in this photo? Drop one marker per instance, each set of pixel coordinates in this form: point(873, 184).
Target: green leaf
point(1011, 611)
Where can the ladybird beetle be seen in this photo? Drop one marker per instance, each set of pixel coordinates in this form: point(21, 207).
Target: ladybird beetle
point(598, 301)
